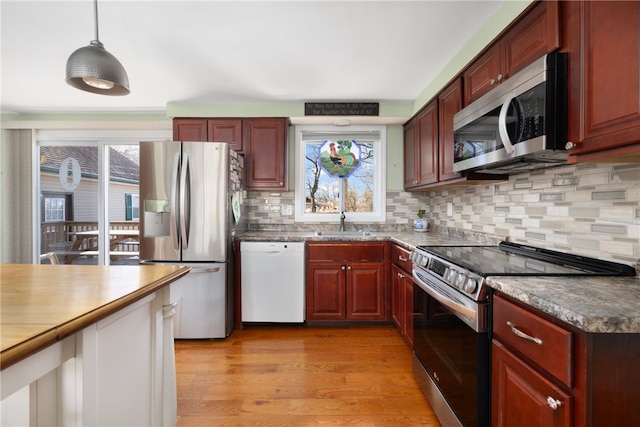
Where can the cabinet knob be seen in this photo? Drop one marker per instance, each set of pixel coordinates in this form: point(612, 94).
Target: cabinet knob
point(348, 267)
point(344, 268)
point(401, 258)
point(500, 77)
point(553, 403)
point(492, 82)
point(569, 145)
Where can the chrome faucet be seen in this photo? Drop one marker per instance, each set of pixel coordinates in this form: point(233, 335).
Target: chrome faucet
point(342, 221)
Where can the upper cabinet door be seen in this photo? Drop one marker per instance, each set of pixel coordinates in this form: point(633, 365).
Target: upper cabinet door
point(421, 148)
point(265, 144)
point(604, 79)
point(226, 130)
point(411, 150)
point(536, 34)
point(189, 129)
point(427, 128)
point(449, 103)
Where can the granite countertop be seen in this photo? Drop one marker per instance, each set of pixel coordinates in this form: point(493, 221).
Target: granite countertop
point(43, 303)
point(409, 240)
point(592, 304)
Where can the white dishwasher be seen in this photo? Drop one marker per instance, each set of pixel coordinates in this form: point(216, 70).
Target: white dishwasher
point(273, 282)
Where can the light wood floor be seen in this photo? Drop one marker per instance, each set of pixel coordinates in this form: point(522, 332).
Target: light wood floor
point(300, 376)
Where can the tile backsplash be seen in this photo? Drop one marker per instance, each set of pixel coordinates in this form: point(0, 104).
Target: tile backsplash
point(589, 209)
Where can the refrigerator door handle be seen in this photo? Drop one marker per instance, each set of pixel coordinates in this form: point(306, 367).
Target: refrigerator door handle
point(175, 188)
point(185, 200)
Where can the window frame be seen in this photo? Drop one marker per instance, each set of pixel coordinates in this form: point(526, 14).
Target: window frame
point(68, 205)
point(341, 132)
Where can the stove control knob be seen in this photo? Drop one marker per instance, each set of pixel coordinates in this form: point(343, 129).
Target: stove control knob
point(460, 281)
point(450, 275)
point(470, 285)
point(421, 260)
point(417, 258)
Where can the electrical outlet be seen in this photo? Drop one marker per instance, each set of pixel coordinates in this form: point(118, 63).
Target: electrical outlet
point(449, 209)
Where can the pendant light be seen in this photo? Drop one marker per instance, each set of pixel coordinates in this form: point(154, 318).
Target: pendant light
point(93, 69)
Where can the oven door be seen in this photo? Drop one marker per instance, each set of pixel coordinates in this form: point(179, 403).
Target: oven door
point(455, 358)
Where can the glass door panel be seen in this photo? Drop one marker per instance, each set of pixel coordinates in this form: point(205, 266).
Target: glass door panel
point(69, 203)
point(124, 204)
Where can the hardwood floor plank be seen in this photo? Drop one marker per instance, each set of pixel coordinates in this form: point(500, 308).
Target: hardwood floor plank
point(300, 376)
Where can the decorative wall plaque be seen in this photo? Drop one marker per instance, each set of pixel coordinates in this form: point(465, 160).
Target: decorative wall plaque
point(341, 108)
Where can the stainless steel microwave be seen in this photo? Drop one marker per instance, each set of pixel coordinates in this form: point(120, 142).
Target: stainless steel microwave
point(520, 125)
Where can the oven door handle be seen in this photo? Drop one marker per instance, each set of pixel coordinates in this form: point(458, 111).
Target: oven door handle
point(444, 300)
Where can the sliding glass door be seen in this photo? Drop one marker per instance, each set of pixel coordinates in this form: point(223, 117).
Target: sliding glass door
point(88, 204)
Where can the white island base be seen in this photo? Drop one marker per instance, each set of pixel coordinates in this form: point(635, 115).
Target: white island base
point(117, 371)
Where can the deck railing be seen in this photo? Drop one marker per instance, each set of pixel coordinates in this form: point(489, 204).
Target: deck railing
point(59, 236)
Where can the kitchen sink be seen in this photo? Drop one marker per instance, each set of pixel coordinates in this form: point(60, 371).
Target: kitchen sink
point(342, 233)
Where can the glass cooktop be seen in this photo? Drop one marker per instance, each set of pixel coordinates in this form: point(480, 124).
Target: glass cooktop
point(510, 259)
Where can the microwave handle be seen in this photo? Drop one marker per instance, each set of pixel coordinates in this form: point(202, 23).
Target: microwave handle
point(502, 124)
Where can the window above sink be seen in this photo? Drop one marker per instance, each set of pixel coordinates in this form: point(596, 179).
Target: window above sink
point(361, 194)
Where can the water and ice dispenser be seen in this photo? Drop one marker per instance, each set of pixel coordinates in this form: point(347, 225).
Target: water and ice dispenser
point(157, 217)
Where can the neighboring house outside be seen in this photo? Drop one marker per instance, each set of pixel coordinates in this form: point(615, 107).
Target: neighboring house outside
point(67, 210)
point(83, 201)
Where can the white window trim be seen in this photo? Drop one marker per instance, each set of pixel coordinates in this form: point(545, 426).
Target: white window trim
point(380, 173)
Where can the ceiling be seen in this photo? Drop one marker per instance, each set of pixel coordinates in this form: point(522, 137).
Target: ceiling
point(222, 52)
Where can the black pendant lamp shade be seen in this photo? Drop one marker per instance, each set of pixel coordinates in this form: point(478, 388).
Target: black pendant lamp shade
point(93, 69)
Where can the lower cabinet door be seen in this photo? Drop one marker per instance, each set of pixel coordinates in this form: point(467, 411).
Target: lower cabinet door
point(523, 397)
point(365, 291)
point(407, 330)
point(326, 291)
point(397, 297)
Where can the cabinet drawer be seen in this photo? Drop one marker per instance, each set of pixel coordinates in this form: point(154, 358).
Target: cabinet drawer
point(346, 251)
point(400, 257)
point(553, 350)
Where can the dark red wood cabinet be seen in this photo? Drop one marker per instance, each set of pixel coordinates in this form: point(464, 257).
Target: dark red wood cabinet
point(429, 142)
point(402, 292)
point(603, 42)
point(346, 281)
point(568, 378)
point(421, 148)
point(226, 130)
point(265, 145)
point(449, 103)
point(218, 130)
point(263, 141)
point(190, 130)
point(533, 35)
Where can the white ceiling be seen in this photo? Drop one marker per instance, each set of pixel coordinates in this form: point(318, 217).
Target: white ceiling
point(232, 51)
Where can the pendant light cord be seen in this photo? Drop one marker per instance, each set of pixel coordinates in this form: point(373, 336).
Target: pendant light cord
point(95, 13)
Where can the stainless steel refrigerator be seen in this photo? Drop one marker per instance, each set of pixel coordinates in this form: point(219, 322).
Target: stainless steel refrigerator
point(190, 210)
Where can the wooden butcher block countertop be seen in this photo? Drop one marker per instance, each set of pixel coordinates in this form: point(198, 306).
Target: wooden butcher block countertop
point(41, 304)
